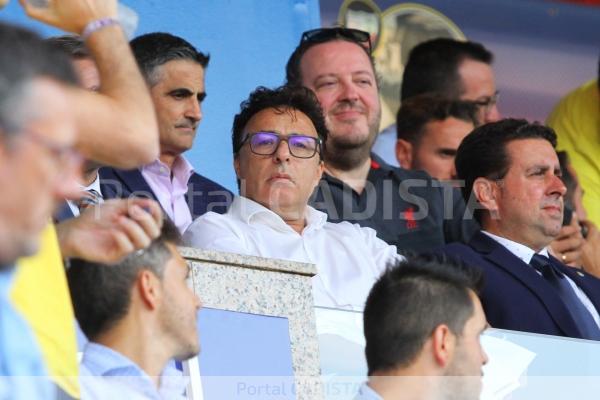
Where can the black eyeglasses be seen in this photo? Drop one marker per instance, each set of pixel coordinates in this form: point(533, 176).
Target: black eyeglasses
point(66, 156)
point(487, 103)
point(267, 143)
point(320, 35)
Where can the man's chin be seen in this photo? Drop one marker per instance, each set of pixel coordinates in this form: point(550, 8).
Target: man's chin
point(188, 352)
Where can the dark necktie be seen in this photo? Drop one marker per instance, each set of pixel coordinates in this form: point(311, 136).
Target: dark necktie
point(582, 317)
point(88, 198)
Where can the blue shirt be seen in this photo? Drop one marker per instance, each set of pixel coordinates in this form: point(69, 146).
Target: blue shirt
point(366, 393)
point(385, 145)
point(19, 352)
point(99, 360)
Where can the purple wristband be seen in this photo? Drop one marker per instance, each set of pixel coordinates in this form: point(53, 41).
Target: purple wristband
point(97, 25)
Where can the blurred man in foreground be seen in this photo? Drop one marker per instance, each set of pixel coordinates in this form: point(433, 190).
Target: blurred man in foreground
point(139, 314)
point(42, 116)
point(422, 325)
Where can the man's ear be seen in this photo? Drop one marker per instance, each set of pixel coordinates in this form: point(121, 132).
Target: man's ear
point(443, 344)
point(404, 153)
point(149, 288)
point(320, 169)
point(486, 192)
point(236, 165)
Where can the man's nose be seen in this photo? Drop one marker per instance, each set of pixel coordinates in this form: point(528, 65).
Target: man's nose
point(194, 110)
point(282, 153)
point(349, 91)
point(557, 185)
point(492, 115)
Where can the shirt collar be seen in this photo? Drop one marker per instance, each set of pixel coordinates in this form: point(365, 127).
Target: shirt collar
point(378, 163)
point(181, 168)
point(378, 166)
point(94, 185)
point(520, 250)
point(250, 211)
point(101, 360)
point(367, 393)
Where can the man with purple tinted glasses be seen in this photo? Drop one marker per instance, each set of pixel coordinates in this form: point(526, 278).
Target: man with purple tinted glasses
point(278, 138)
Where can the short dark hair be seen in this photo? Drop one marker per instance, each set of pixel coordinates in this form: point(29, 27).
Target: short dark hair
point(432, 67)
point(416, 112)
point(101, 293)
point(409, 301)
point(155, 49)
point(73, 45)
point(284, 98)
point(482, 153)
point(25, 56)
point(293, 75)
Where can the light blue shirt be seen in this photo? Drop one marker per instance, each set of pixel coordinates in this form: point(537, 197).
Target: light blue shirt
point(22, 372)
point(366, 393)
point(385, 145)
point(99, 360)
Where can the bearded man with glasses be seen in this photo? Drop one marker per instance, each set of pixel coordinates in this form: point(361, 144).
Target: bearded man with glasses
point(278, 138)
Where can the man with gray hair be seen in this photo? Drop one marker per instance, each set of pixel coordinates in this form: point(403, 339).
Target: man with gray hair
point(43, 117)
point(174, 71)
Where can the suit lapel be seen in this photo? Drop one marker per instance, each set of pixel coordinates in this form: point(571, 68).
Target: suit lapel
point(500, 256)
point(134, 182)
point(195, 203)
point(586, 282)
point(63, 212)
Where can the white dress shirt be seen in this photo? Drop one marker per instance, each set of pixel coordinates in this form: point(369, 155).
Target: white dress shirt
point(94, 185)
point(349, 258)
point(526, 254)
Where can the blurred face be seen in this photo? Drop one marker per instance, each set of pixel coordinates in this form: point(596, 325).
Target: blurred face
point(177, 98)
point(479, 85)
point(529, 199)
point(341, 75)
point(180, 308)
point(89, 78)
point(33, 166)
point(464, 371)
point(437, 147)
point(280, 182)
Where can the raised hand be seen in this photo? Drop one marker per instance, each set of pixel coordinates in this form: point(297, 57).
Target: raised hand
point(71, 15)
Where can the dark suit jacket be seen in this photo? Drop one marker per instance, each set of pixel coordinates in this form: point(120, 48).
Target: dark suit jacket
point(515, 296)
point(63, 212)
point(203, 194)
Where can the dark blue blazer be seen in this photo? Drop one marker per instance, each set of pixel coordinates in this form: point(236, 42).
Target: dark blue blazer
point(203, 194)
point(63, 212)
point(515, 296)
